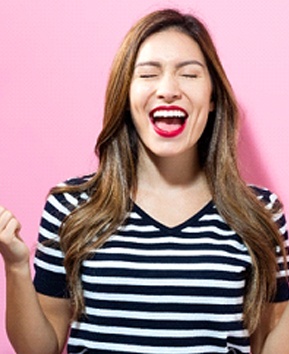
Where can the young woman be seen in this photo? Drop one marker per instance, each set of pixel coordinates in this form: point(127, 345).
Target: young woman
point(164, 248)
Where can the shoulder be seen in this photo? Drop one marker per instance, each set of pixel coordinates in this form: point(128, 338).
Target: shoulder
point(77, 181)
point(267, 197)
point(67, 196)
point(272, 203)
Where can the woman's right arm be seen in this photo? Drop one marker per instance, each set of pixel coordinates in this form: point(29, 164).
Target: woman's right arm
point(35, 323)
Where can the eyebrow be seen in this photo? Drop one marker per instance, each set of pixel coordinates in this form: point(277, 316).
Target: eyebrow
point(179, 65)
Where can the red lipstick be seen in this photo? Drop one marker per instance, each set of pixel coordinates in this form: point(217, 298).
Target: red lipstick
point(168, 121)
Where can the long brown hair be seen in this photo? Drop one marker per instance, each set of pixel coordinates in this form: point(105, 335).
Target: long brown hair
point(115, 181)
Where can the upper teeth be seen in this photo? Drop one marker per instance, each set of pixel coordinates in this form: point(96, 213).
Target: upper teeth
point(168, 113)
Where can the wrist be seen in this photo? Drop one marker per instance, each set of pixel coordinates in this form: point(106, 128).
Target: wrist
point(22, 268)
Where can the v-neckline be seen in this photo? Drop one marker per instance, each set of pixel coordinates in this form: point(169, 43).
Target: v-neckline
point(188, 222)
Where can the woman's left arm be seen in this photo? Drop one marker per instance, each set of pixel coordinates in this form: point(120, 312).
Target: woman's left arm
point(272, 334)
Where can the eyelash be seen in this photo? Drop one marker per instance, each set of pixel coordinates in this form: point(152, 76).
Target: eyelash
point(192, 76)
point(147, 76)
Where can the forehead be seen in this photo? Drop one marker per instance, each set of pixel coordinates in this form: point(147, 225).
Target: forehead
point(169, 45)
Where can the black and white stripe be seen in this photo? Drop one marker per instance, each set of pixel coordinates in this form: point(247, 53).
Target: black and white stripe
point(153, 289)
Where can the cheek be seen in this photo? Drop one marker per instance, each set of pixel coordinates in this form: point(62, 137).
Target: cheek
point(205, 100)
point(139, 95)
point(134, 99)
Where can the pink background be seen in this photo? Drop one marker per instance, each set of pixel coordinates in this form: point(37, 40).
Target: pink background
point(54, 61)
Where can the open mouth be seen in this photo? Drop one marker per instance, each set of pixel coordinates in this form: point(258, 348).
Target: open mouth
point(168, 121)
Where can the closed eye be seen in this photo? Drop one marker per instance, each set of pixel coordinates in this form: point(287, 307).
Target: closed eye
point(192, 76)
point(147, 76)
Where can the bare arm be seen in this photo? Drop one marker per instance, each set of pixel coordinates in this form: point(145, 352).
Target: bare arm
point(272, 334)
point(35, 323)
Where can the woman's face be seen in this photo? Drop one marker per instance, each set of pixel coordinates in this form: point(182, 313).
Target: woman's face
point(170, 94)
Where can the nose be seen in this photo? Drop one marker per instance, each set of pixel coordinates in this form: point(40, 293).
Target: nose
point(168, 88)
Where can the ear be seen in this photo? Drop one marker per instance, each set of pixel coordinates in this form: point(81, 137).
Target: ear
point(212, 106)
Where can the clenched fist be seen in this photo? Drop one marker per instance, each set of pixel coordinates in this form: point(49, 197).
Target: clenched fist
point(13, 249)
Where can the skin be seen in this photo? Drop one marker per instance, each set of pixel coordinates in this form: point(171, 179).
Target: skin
point(170, 70)
point(40, 324)
point(31, 315)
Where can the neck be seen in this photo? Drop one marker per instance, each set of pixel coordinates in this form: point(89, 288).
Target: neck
point(172, 172)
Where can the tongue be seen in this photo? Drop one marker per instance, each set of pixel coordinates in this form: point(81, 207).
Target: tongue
point(168, 124)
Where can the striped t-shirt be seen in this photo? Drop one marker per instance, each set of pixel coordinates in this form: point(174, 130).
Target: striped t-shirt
point(155, 289)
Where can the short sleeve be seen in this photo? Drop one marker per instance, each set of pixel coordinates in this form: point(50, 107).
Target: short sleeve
point(50, 274)
point(272, 203)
